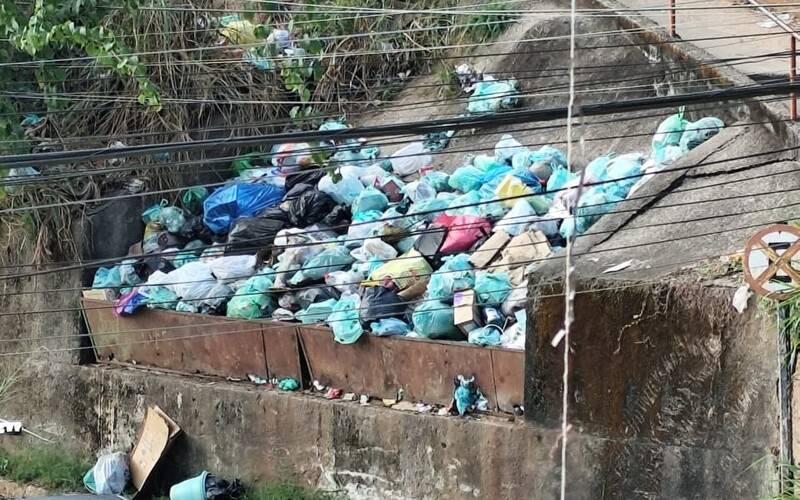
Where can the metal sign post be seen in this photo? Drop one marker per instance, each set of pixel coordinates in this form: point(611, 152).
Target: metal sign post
point(769, 258)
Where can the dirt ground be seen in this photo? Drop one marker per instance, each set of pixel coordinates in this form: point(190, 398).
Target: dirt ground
point(10, 489)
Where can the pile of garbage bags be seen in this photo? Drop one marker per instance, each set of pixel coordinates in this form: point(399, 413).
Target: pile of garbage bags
point(388, 247)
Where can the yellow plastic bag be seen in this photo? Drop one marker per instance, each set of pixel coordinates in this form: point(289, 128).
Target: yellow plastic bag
point(240, 32)
point(405, 271)
point(511, 186)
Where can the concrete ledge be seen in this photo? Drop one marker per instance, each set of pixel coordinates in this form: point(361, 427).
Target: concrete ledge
point(369, 452)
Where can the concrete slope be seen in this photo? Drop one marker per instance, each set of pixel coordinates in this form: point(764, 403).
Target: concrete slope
point(704, 206)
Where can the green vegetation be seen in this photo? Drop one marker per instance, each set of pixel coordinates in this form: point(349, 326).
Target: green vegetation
point(288, 491)
point(50, 467)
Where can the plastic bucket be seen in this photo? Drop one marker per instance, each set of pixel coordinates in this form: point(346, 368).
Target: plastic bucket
point(191, 489)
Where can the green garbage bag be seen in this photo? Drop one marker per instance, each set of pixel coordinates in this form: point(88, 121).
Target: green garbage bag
point(492, 288)
point(434, 319)
point(344, 320)
point(316, 312)
point(192, 200)
point(251, 300)
point(159, 297)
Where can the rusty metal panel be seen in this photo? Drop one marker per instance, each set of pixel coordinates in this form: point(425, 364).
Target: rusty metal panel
point(177, 341)
point(508, 366)
point(425, 369)
point(355, 367)
point(282, 350)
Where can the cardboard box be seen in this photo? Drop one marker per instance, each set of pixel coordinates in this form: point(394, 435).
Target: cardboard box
point(465, 311)
point(158, 435)
point(527, 248)
point(489, 250)
point(99, 294)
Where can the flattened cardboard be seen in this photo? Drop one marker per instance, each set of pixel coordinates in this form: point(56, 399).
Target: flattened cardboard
point(158, 434)
point(528, 247)
point(99, 294)
point(489, 250)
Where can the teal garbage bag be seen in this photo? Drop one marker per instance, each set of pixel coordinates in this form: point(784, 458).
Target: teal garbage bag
point(489, 335)
point(596, 169)
point(153, 214)
point(507, 147)
point(159, 297)
point(624, 171)
point(327, 261)
point(559, 179)
point(545, 160)
point(288, 384)
point(492, 177)
point(455, 274)
point(466, 178)
point(486, 162)
point(429, 209)
point(316, 312)
point(344, 320)
point(698, 132)
point(437, 180)
point(466, 204)
point(190, 253)
point(669, 132)
point(370, 199)
point(389, 326)
point(344, 191)
point(251, 300)
point(492, 288)
point(172, 219)
point(433, 319)
point(491, 96)
point(107, 277)
point(595, 202)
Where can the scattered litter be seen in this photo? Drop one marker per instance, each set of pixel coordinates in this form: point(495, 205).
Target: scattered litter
point(363, 400)
point(257, 380)
point(741, 297)
point(618, 267)
point(466, 394)
point(318, 386)
point(785, 17)
point(158, 435)
point(389, 402)
point(423, 408)
point(109, 476)
point(349, 396)
point(288, 384)
point(333, 393)
point(404, 406)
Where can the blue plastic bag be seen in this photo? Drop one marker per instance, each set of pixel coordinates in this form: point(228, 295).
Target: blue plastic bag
point(344, 320)
point(488, 335)
point(370, 199)
point(455, 274)
point(559, 179)
point(492, 288)
point(389, 326)
point(492, 177)
point(466, 178)
point(227, 204)
point(433, 319)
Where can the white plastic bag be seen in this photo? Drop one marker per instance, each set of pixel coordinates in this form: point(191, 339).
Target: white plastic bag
point(345, 281)
point(410, 159)
point(111, 474)
point(507, 147)
point(233, 267)
point(516, 299)
point(419, 191)
point(374, 249)
point(518, 219)
point(191, 281)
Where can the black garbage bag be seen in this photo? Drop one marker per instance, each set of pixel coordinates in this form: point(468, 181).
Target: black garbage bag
point(309, 208)
point(194, 229)
point(379, 302)
point(338, 219)
point(310, 177)
point(310, 296)
point(250, 233)
point(296, 191)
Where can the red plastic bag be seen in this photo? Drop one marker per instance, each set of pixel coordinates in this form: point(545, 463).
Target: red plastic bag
point(462, 231)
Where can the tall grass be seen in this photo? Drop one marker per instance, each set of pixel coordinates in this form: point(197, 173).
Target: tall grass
point(50, 467)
